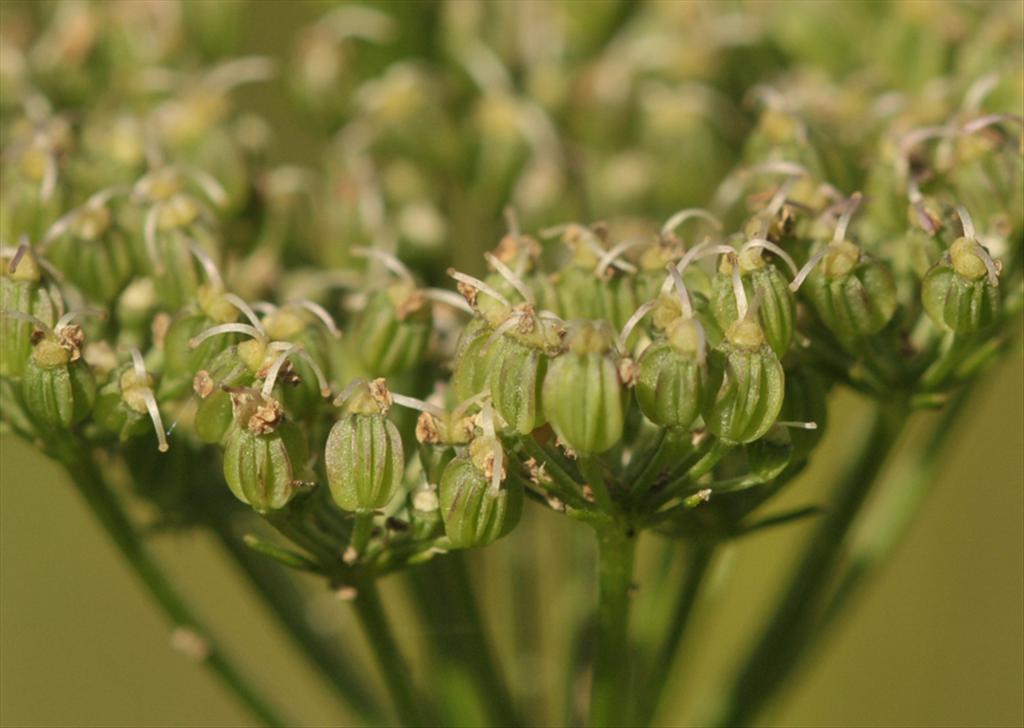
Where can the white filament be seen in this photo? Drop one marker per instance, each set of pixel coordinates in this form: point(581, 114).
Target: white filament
point(690, 212)
point(966, 222)
point(612, 258)
point(275, 369)
point(390, 262)
point(684, 295)
point(210, 186)
point(505, 272)
point(478, 285)
point(512, 221)
point(250, 69)
point(632, 323)
point(246, 310)
point(147, 396)
point(78, 314)
point(808, 267)
point(226, 329)
point(212, 274)
point(738, 292)
point(463, 406)
point(507, 325)
point(49, 182)
point(449, 297)
point(769, 245)
point(702, 250)
point(154, 415)
point(321, 313)
point(844, 220)
point(798, 425)
point(419, 405)
point(348, 391)
point(982, 122)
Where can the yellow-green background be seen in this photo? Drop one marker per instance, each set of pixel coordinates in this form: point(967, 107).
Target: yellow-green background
point(937, 639)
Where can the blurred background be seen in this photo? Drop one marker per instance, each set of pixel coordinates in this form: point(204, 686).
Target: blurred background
point(937, 639)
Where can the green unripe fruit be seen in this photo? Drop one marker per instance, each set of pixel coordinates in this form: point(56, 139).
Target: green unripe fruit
point(745, 387)
point(181, 359)
point(393, 331)
point(363, 456)
point(671, 377)
point(93, 253)
point(516, 381)
point(853, 294)
point(473, 512)
point(518, 364)
point(214, 415)
point(761, 281)
point(583, 396)
point(57, 387)
point(264, 454)
point(581, 295)
point(959, 293)
point(21, 290)
point(472, 364)
point(113, 412)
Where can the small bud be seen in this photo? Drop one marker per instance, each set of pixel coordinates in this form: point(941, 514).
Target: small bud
point(474, 512)
point(745, 385)
point(760, 279)
point(264, 453)
point(583, 398)
point(363, 456)
point(57, 385)
point(961, 291)
point(853, 293)
point(518, 365)
point(671, 376)
point(22, 290)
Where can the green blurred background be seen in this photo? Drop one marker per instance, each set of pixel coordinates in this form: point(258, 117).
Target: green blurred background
point(937, 639)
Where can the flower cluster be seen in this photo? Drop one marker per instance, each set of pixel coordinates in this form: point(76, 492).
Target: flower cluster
point(170, 304)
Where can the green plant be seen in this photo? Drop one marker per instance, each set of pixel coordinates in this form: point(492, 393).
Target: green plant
point(599, 370)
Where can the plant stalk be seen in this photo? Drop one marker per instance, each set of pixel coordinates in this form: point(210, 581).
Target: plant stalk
point(108, 511)
point(611, 682)
point(392, 665)
point(787, 633)
point(459, 643)
point(284, 599)
point(698, 561)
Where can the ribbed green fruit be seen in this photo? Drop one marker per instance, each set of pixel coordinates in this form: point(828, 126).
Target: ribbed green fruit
point(473, 513)
point(745, 387)
point(57, 392)
point(583, 397)
point(393, 331)
point(958, 294)
point(671, 379)
point(263, 470)
point(364, 461)
point(853, 294)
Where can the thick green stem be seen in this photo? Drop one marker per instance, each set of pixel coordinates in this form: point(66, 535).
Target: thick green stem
point(698, 561)
point(108, 511)
point(287, 603)
point(389, 658)
point(787, 633)
point(611, 682)
point(590, 468)
point(908, 488)
point(462, 652)
point(362, 532)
